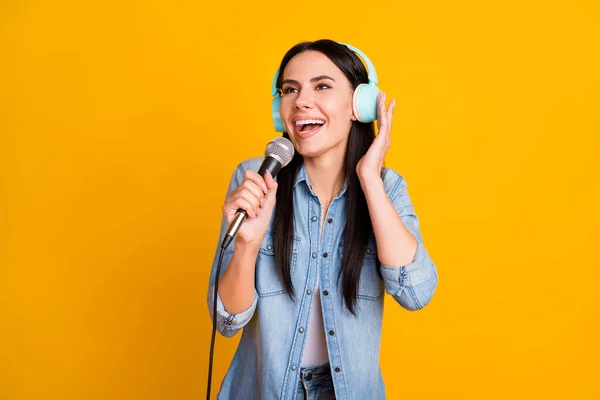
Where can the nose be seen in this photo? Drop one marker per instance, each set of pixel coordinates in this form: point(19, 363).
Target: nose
point(304, 100)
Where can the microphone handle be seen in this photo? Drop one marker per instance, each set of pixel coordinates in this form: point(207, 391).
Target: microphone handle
point(269, 164)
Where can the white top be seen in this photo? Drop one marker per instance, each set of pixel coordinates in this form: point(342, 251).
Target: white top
point(315, 348)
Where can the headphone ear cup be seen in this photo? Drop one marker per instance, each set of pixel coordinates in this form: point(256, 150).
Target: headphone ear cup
point(364, 102)
point(275, 105)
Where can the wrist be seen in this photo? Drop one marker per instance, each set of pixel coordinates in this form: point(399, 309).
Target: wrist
point(370, 180)
point(251, 247)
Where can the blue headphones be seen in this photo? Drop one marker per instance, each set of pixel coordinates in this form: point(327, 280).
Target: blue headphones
point(364, 101)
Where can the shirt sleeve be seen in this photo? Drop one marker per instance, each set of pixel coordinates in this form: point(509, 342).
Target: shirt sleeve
point(411, 285)
point(227, 324)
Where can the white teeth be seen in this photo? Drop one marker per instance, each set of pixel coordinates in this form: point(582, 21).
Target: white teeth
point(309, 121)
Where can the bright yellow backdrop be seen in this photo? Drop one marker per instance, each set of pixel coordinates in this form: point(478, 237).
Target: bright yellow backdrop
point(114, 114)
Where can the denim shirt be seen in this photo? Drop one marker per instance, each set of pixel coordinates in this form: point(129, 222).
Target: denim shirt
point(266, 364)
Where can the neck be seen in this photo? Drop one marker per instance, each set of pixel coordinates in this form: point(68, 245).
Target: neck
point(327, 174)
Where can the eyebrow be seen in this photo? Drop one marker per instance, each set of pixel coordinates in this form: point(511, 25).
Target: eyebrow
point(315, 79)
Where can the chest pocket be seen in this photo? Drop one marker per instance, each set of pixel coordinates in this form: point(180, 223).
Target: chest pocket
point(371, 285)
point(267, 279)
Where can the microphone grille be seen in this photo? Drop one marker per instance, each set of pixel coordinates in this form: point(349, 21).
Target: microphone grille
point(281, 149)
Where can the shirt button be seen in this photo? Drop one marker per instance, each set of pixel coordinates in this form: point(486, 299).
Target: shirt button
point(314, 255)
point(330, 220)
point(294, 368)
point(326, 293)
point(325, 255)
point(337, 369)
point(301, 330)
point(314, 219)
point(331, 333)
point(269, 247)
point(309, 292)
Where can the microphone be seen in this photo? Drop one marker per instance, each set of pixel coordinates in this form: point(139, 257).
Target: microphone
point(278, 154)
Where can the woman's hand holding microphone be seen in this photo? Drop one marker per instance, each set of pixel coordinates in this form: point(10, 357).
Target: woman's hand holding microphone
point(257, 196)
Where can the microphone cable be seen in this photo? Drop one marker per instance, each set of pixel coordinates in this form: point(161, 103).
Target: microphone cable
point(214, 321)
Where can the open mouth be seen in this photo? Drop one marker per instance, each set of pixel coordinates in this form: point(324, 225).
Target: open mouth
point(308, 127)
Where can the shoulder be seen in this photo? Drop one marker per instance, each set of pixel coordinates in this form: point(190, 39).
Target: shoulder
point(238, 174)
point(250, 164)
point(393, 182)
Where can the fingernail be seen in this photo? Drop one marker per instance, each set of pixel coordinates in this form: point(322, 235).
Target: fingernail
point(264, 188)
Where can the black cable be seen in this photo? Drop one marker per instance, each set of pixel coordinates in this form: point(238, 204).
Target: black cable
point(226, 242)
point(214, 321)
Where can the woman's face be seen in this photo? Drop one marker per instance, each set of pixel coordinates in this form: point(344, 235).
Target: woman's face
point(316, 105)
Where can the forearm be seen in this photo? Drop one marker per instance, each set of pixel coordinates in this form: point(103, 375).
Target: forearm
point(396, 246)
point(236, 286)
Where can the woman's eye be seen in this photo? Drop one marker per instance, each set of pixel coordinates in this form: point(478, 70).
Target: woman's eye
point(290, 89)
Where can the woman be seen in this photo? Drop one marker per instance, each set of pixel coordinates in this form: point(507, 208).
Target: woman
point(307, 272)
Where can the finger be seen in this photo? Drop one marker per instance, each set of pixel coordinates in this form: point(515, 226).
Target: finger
point(246, 206)
point(390, 113)
point(239, 201)
point(251, 198)
point(256, 178)
point(382, 121)
point(252, 187)
point(270, 182)
point(379, 96)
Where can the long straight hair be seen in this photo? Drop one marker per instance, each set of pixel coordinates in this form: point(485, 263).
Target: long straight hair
point(358, 227)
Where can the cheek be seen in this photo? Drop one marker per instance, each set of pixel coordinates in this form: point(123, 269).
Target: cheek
point(340, 110)
point(284, 107)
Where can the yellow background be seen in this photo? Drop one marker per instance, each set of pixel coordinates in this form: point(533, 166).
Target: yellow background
point(114, 114)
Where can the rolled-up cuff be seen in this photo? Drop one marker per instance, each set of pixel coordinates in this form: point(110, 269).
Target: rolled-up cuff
point(420, 270)
point(228, 324)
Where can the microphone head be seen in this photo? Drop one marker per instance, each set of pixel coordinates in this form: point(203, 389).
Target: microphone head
point(280, 149)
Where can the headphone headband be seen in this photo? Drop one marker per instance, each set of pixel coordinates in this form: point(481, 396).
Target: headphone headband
point(370, 66)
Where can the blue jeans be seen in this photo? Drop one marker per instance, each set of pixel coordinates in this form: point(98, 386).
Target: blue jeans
point(315, 384)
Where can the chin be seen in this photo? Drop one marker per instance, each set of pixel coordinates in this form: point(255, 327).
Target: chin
point(309, 150)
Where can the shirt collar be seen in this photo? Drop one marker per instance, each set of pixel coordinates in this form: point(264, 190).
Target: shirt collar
point(303, 176)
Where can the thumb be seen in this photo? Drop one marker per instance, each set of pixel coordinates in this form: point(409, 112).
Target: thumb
point(271, 186)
